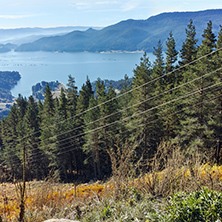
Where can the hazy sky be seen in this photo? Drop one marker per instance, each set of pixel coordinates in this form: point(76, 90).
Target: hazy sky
point(51, 13)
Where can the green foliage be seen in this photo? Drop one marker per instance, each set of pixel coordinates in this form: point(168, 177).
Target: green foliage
point(189, 47)
point(171, 53)
point(203, 205)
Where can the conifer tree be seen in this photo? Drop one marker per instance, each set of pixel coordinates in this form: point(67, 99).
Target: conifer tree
point(215, 116)
point(158, 68)
point(171, 54)
point(31, 126)
point(172, 79)
point(144, 120)
point(189, 48)
point(196, 133)
point(9, 139)
point(75, 154)
point(62, 138)
point(112, 108)
point(91, 146)
point(72, 96)
point(63, 111)
point(82, 105)
point(47, 129)
point(102, 97)
point(125, 104)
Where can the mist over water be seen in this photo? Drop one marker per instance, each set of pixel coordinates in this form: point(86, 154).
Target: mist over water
point(35, 67)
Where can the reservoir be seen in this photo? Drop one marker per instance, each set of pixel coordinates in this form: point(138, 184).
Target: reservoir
point(35, 67)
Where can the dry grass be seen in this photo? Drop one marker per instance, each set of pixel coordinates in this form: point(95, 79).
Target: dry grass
point(171, 171)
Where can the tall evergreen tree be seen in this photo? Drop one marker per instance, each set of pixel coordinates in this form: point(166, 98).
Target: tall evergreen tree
point(189, 47)
point(91, 146)
point(104, 144)
point(75, 155)
point(171, 54)
point(158, 68)
point(22, 105)
point(195, 133)
point(10, 141)
point(63, 111)
point(125, 103)
point(172, 79)
point(146, 133)
point(64, 153)
point(47, 131)
point(72, 96)
point(82, 105)
point(215, 120)
point(31, 126)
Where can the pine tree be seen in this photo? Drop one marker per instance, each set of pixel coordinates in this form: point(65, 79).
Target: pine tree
point(172, 79)
point(63, 111)
point(144, 120)
point(75, 155)
point(102, 97)
point(125, 104)
point(91, 146)
point(31, 126)
point(22, 105)
point(47, 134)
point(171, 54)
point(112, 108)
point(209, 40)
point(189, 48)
point(64, 156)
point(9, 138)
point(72, 96)
point(215, 120)
point(158, 68)
point(81, 109)
point(196, 132)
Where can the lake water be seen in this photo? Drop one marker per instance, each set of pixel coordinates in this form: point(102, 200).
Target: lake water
point(35, 67)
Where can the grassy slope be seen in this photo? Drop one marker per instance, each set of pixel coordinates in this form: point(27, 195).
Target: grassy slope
point(123, 197)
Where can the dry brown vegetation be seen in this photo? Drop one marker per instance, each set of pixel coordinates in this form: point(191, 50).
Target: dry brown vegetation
point(128, 194)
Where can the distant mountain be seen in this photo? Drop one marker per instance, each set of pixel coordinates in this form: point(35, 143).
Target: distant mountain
point(7, 47)
point(129, 35)
point(24, 35)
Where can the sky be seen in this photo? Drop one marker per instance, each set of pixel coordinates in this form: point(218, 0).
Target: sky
point(54, 13)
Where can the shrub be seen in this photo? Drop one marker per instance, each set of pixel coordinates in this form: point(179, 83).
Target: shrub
point(202, 205)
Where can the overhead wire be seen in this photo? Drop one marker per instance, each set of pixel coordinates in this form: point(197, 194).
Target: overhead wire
point(52, 137)
point(136, 114)
point(120, 95)
point(122, 110)
point(64, 149)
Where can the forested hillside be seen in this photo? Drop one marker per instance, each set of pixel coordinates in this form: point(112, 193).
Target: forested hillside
point(177, 99)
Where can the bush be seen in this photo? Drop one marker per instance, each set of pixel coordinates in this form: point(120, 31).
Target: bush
point(203, 205)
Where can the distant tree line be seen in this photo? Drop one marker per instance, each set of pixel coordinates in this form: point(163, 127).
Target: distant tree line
point(172, 99)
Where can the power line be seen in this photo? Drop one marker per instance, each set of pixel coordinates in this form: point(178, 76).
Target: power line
point(136, 114)
point(64, 149)
point(150, 98)
point(120, 95)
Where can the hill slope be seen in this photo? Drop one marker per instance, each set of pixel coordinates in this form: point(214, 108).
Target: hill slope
point(129, 35)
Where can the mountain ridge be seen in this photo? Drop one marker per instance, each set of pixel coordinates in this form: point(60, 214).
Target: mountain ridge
point(29, 34)
point(129, 35)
